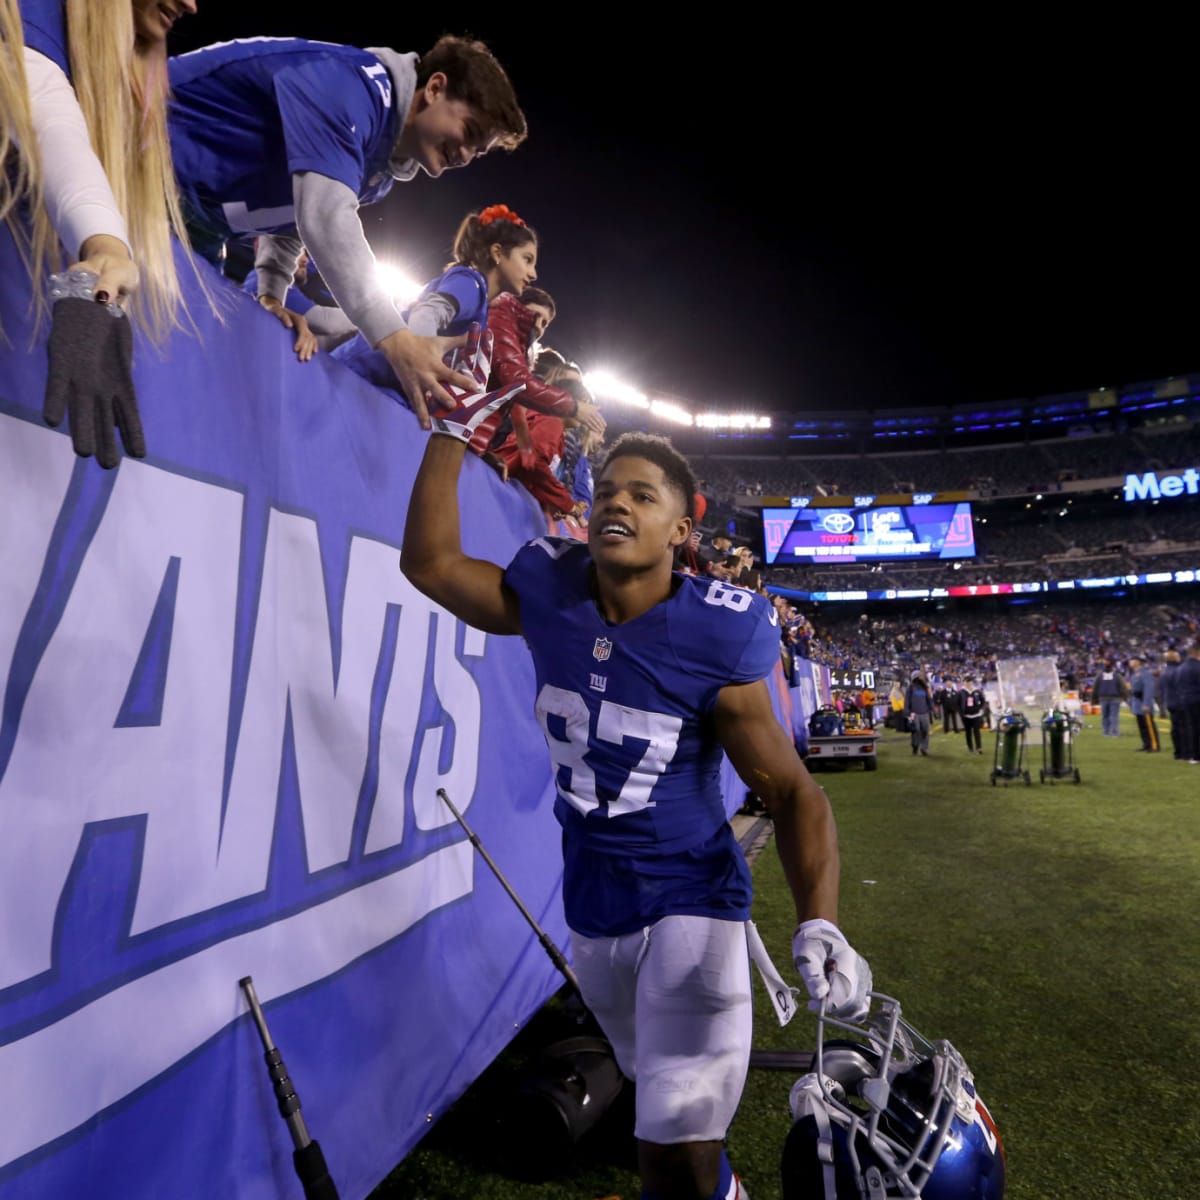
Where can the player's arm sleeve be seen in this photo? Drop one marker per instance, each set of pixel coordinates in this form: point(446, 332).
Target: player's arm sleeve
point(79, 199)
point(528, 577)
point(761, 650)
point(275, 259)
point(328, 222)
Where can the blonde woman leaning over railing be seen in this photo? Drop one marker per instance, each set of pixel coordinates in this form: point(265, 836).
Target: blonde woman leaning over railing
point(88, 182)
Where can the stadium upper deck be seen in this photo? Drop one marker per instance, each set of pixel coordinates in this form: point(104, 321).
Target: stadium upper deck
point(1017, 448)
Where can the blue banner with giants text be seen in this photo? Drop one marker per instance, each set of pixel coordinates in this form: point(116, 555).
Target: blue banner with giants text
point(226, 716)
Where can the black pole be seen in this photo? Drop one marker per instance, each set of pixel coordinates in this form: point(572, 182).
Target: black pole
point(307, 1157)
point(551, 949)
point(772, 1060)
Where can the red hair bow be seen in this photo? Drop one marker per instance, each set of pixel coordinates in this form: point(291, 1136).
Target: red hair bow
point(499, 212)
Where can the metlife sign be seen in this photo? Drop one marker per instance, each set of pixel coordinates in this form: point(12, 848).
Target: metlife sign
point(1159, 485)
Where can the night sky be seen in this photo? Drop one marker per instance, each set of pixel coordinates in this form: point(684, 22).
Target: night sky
point(815, 213)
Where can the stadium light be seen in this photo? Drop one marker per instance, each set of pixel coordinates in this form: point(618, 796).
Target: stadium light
point(732, 421)
point(606, 386)
point(398, 284)
point(671, 412)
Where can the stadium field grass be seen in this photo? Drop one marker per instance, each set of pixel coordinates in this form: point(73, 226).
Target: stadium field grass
point(1051, 932)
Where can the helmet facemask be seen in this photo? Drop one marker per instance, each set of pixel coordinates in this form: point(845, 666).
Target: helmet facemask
point(904, 1105)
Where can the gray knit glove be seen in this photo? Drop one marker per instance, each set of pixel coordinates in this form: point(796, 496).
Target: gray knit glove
point(91, 379)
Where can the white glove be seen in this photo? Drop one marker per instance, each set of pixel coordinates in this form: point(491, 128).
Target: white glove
point(831, 968)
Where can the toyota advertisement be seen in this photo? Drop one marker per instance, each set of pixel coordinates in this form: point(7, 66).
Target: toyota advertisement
point(857, 534)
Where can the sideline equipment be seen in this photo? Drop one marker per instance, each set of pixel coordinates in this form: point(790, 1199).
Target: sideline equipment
point(307, 1157)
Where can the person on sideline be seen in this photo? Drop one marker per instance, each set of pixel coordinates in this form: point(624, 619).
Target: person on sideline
point(1170, 702)
point(971, 704)
point(1141, 703)
point(1108, 691)
point(918, 703)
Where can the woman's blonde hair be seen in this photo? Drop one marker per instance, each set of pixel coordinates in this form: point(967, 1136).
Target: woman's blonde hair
point(128, 128)
point(20, 176)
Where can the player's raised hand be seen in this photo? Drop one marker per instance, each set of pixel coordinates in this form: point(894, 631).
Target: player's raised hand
point(831, 968)
point(462, 422)
point(419, 365)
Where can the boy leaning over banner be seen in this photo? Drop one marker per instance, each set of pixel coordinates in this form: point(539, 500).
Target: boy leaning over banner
point(285, 139)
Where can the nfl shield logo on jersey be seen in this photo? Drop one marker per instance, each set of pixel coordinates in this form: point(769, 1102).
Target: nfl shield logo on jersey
point(602, 649)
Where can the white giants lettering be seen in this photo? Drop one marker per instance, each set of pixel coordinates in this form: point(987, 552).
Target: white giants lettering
point(74, 762)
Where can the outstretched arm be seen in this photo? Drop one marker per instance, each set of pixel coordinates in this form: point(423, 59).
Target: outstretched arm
point(329, 224)
point(432, 558)
point(766, 760)
point(834, 973)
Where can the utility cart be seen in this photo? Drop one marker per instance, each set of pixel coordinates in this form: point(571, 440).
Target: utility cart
point(834, 738)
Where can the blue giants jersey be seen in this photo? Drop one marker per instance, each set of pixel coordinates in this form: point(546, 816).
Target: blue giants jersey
point(45, 24)
point(469, 291)
point(627, 714)
point(246, 116)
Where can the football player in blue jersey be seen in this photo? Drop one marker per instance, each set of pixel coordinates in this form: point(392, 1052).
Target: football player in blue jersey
point(644, 676)
point(281, 136)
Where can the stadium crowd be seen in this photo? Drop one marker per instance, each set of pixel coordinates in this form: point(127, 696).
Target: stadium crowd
point(1019, 468)
point(960, 644)
point(1150, 642)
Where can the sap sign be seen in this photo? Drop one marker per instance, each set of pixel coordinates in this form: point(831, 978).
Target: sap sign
point(1151, 486)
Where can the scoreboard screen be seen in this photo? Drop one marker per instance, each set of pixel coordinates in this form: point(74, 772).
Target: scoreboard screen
point(854, 534)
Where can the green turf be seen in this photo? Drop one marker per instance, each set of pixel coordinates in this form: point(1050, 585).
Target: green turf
point(1050, 932)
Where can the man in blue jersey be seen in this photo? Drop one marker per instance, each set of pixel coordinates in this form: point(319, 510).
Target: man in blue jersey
point(287, 138)
point(644, 676)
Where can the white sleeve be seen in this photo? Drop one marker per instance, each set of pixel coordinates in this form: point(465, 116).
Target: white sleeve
point(79, 200)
